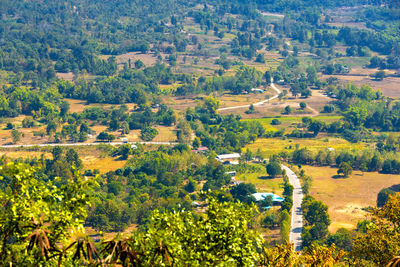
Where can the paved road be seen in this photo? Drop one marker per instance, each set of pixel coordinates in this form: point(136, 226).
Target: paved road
point(297, 213)
point(258, 103)
point(89, 144)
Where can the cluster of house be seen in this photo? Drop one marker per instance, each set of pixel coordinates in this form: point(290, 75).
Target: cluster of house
point(233, 159)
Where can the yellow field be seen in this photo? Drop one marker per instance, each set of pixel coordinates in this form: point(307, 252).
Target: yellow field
point(24, 154)
point(270, 146)
point(102, 164)
point(346, 197)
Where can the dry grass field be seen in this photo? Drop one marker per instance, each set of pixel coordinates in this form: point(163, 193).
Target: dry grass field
point(270, 146)
point(276, 107)
point(69, 76)
point(360, 76)
point(148, 59)
point(346, 197)
point(15, 154)
point(104, 165)
point(93, 157)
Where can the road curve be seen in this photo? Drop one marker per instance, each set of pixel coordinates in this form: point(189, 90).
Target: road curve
point(258, 103)
point(296, 227)
point(89, 144)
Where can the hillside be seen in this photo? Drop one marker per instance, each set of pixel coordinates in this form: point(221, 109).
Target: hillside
point(138, 132)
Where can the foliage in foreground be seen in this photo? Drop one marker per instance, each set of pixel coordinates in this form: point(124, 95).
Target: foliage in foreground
point(381, 243)
point(42, 224)
point(38, 218)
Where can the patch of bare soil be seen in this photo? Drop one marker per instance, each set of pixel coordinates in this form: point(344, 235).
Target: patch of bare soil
point(69, 76)
point(148, 59)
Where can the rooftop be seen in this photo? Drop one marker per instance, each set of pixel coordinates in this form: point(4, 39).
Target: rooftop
point(228, 156)
point(262, 196)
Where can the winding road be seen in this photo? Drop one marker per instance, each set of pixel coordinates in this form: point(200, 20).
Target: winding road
point(258, 103)
point(296, 228)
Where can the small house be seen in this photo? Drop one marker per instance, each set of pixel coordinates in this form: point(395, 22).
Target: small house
point(201, 149)
point(229, 159)
point(262, 196)
point(224, 157)
point(257, 90)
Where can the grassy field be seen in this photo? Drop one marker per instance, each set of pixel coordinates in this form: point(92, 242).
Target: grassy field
point(287, 121)
point(346, 197)
point(270, 146)
point(262, 182)
point(93, 157)
point(104, 165)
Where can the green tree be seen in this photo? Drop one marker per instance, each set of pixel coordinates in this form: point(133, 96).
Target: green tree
point(273, 169)
point(243, 192)
point(268, 77)
point(288, 110)
point(345, 169)
point(259, 155)
point(379, 75)
point(73, 159)
point(285, 226)
point(383, 197)
point(64, 108)
point(356, 115)
point(251, 109)
point(315, 212)
point(148, 133)
point(248, 155)
point(51, 127)
point(206, 240)
point(184, 132)
point(139, 64)
point(191, 186)
point(124, 151)
point(38, 216)
point(28, 122)
point(379, 244)
point(196, 143)
point(16, 136)
point(212, 104)
point(104, 136)
point(303, 105)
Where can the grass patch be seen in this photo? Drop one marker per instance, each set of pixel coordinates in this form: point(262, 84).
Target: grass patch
point(262, 182)
point(354, 61)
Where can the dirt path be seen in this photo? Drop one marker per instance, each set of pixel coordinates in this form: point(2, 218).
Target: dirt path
point(258, 103)
point(296, 227)
point(315, 113)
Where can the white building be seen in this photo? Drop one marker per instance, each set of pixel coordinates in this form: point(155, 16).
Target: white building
point(225, 157)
